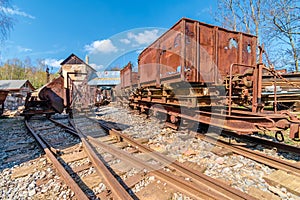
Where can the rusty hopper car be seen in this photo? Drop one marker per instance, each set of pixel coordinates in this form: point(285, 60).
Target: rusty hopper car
point(129, 78)
point(50, 99)
point(201, 55)
point(3, 95)
point(207, 74)
point(129, 81)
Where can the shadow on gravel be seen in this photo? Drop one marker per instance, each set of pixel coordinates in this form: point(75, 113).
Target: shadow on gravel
point(17, 145)
point(114, 125)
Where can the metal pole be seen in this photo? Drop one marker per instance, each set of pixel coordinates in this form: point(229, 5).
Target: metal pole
point(259, 83)
point(275, 96)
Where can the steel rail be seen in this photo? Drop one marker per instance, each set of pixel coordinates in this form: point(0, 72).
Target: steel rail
point(61, 170)
point(118, 190)
point(257, 156)
point(198, 192)
point(195, 191)
point(293, 168)
point(281, 146)
point(225, 190)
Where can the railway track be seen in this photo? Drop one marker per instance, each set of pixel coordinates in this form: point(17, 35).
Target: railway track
point(292, 168)
point(89, 146)
point(259, 153)
point(75, 161)
point(265, 142)
point(244, 150)
point(124, 155)
point(200, 185)
point(16, 145)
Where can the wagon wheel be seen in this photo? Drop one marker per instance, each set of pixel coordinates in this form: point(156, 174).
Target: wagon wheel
point(279, 136)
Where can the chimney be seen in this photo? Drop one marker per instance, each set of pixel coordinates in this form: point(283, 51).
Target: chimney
point(87, 59)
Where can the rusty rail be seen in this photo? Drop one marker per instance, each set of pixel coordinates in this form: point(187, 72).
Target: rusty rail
point(196, 191)
point(214, 186)
point(257, 156)
point(281, 146)
point(61, 170)
point(117, 189)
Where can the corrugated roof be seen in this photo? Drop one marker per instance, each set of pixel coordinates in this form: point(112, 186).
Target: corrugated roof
point(106, 78)
point(12, 84)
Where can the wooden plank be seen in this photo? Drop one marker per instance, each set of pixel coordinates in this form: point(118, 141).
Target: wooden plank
point(106, 138)
point(133, 180)
point(92, 180)
point(105, 195)
point(144, 156)
point(73, 156)
point(283, 179)
point(74, 148)
point(155, 190)
point(142, 140)
point(220, 151)
point(132, 150)
point(194, 166)
point(18, 157)
point(262, 195)
point(23, 171)
point(82, 167)
point(17, 146)
point(121, 167)
point(121, 145)
point(42, 181)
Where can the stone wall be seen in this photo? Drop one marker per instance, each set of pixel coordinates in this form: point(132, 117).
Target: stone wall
point(14, 101)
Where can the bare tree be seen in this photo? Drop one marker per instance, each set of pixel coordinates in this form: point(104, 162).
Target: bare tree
point(226, 14)
point(274, 22)
point(285, 19)
point(241, 15)
point(6, 21)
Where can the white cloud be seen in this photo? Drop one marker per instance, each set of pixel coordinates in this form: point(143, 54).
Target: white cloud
point(125, 41)
point(23, 49)
point(97, 67)
point(53, 62)
point(145, 37)
point(101, 46)
point(16, 11)
point(139, 51)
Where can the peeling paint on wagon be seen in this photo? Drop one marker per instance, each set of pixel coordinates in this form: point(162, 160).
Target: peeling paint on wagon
point(193, 51)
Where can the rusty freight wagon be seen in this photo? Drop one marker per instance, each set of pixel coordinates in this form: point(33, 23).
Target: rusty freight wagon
point(129, 78)
point(129, 82)
point(207, 74)
point(49, 99)
point(200, 55)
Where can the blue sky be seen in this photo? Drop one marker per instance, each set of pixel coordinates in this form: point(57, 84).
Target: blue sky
point(111, 32)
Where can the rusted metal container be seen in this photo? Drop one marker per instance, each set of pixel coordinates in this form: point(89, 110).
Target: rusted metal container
point(54, 92)
point(195, 52)
point(128, 77)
